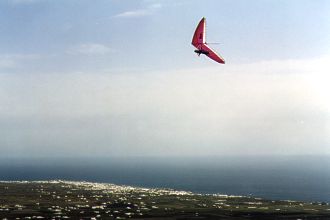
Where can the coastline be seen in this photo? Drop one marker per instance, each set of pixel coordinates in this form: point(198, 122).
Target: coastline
point(74, 199)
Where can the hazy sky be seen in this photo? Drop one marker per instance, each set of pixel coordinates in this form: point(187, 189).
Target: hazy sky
point(119, 77)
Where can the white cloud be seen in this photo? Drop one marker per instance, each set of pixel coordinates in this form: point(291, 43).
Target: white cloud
point(7, 63)
point(155, 6)
point(132, 14)
point(271, 107)
point(25, 1)
point(150, 9)
point(89, 49)
point(13, 60)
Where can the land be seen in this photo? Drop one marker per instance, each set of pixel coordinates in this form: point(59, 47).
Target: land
point(85, 200)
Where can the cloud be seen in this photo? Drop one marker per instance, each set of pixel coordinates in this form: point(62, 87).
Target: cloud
point(9, 61)
point(235, 109)
point(89, 49)
point(17, 2)
point(155, 6)
point(132, 14)
point(150, 9)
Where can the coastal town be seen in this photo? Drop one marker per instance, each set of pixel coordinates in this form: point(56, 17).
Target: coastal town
point(59, 199)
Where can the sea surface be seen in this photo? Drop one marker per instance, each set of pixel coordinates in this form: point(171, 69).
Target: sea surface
point(305, 178)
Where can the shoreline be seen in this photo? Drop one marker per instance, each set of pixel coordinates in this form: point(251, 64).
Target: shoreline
point(87, 200)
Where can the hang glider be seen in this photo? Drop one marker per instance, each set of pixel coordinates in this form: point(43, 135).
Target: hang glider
point(199, 41)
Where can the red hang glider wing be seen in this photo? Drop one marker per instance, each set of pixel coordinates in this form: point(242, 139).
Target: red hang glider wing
point(212, 54)
point(199, 41)
point(199, 35)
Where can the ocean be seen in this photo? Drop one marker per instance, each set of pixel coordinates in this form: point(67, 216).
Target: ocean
point(305, 178)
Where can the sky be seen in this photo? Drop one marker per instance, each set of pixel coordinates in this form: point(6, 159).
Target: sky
point(120, 78)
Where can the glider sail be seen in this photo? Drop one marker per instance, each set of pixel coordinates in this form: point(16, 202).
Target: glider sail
point(199, 41)
point(199, 35)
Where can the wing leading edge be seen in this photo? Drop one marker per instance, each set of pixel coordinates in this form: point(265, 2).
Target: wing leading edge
point(199, 41)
